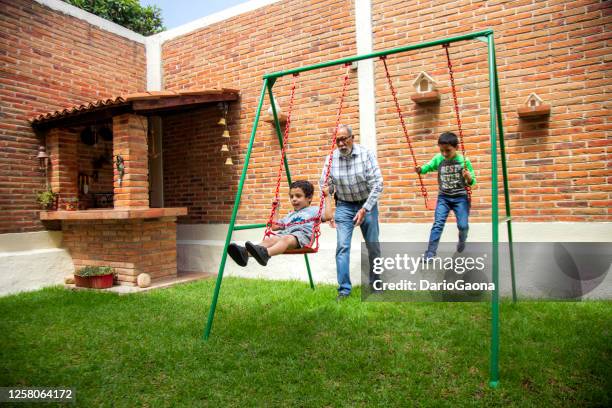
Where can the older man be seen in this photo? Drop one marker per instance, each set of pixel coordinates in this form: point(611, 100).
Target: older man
point(358, 183)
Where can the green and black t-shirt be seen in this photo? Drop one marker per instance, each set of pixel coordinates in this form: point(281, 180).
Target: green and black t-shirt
point(450, 173)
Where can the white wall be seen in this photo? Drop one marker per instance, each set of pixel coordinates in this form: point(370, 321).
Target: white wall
point(200, 247)
point(32, 260)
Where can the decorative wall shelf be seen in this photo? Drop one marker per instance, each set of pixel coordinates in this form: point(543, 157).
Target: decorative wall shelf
point(282, 118)
point(426, 89)
point(426, 97)
point(534, 107)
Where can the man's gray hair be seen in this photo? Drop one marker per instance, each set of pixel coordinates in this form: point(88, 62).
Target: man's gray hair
point(348, 128)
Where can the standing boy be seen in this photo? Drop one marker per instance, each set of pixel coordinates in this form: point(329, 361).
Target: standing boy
point(455, 173)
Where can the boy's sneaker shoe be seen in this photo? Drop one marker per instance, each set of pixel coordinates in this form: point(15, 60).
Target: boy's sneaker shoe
point(258, 252)
point(341, 297)
point(238, 253)
point(460, 246)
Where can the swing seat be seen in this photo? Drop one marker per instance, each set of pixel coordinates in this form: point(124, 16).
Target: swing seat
point(303, 250)
point(307, 249)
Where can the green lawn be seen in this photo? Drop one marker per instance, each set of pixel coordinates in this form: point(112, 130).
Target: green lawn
point(279, 343)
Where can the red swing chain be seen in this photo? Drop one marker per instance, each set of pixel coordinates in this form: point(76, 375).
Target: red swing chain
point(316, 219)
point(454, 90)
point(275, 203)
point(401, 117)
point(316, 229)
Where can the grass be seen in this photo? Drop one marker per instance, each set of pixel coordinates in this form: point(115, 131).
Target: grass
point(281, 344)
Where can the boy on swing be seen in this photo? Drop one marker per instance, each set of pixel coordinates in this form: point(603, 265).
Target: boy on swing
point(453, 177)
point(290, 235)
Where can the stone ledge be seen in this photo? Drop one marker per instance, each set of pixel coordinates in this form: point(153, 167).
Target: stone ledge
point(426, 97)
point(113, 214)
point(527, 111)
point(123, 289)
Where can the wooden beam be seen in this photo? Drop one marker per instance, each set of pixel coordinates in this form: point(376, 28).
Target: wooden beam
point(178, 101)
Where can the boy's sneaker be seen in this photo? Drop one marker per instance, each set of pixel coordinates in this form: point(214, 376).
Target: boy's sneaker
point(258, 252)
point(342, 297)
point(460, 246)
point(238, 253)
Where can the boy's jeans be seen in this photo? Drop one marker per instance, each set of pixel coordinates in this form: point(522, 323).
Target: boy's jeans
point(461, 207)
point(345, 212)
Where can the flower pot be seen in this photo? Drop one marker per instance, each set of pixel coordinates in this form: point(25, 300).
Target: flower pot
point(82, 281)
point(94, 282)
point(101, 282)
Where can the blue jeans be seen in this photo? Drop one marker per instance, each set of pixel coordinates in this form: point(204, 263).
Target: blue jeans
point(345, 212)
point(460, 205)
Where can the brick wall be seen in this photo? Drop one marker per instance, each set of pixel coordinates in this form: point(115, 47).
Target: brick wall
point(237, 53)
point(559, 167)
point(50, 61)
point(131, 247)
point(195, 175)
point(130, 142)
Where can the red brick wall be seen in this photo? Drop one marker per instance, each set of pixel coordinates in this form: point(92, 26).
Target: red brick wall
point(130, 247)
point(559, 167)
point(50, 61)
point(236, 54)
point(130, 142)
point(195, 175)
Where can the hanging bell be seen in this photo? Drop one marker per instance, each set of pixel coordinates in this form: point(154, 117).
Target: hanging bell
point(229, 161)
point(226, 133)
point(224, 148)
point(221, 122)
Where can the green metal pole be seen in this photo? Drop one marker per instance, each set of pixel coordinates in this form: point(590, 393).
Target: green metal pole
point(502, 148)
point(341, 61)
point(280, 141)
point(494, 364)
point(308, 269)
point(248, 226)
point(230, 230)
point(279, 133)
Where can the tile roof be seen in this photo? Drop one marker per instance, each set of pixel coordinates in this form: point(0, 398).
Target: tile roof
point(181, 98)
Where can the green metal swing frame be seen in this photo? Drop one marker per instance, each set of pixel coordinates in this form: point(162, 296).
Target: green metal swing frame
point(496, 132)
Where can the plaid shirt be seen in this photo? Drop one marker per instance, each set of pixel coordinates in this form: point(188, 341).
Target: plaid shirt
point(356, 177)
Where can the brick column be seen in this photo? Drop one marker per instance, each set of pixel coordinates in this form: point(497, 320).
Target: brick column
point(130, 142)
point(63, 170)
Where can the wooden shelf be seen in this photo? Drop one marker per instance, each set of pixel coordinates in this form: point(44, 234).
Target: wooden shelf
point(426, 97)
point(113, 214)
point(282, 118)
point(530, 112)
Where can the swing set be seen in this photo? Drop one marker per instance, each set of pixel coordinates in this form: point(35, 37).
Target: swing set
point(496, 131)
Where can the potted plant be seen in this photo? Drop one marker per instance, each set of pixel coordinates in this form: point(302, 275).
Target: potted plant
point(96, 277)
point(46, 199)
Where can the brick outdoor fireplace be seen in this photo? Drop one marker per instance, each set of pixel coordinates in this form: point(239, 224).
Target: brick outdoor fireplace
point(131, 237)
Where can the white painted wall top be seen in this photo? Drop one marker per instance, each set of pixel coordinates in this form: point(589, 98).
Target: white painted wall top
point(107, 25)
point(212, 19)
point(92, 19)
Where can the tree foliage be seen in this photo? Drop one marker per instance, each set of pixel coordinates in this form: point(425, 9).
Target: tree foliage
point(127, 13)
